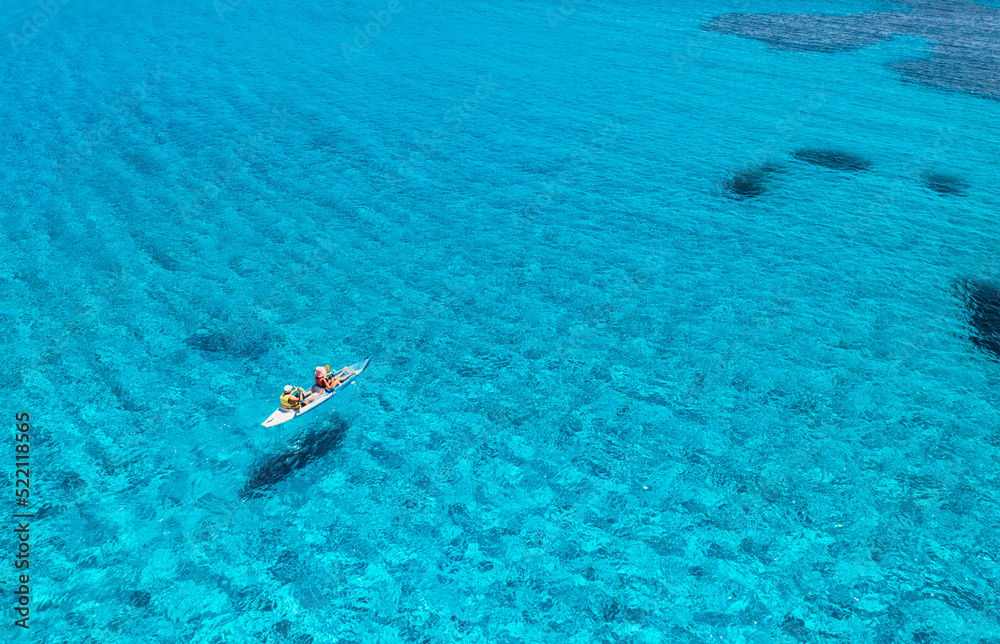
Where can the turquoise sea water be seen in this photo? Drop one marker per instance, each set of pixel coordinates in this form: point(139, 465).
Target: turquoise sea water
point(608, 401)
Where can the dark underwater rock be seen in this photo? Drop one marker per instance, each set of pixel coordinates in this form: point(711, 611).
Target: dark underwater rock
point(237, 345)
point(964, 37)
point(212, 342)
point(833, 159)
point(982, 303)
point(139, 598)
point(745, 185)
point(796, 628)
point(945, 184)
point(804, 32)
point(314, 445)
point(748, 183)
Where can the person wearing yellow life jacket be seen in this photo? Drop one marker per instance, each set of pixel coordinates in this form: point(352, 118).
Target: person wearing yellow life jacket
point(292, 398)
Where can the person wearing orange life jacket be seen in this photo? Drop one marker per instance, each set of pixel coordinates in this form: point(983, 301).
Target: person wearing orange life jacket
point(325, 380)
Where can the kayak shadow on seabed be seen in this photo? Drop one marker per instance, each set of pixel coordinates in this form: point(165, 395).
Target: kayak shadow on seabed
point(302, 451)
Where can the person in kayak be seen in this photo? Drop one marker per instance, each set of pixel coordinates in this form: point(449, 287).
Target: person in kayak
point(291, 398)
point(326, 380)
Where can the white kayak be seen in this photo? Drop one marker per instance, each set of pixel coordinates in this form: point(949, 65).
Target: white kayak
point(284, 415)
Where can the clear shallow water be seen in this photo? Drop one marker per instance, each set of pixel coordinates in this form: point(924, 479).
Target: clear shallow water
point(608, 402)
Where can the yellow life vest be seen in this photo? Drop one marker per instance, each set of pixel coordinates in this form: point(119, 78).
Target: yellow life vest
point(287, 404)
